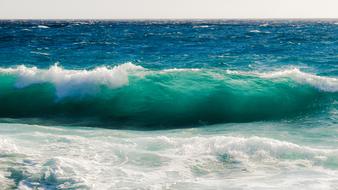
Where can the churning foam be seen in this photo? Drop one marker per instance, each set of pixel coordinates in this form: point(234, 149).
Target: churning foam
point(79, 82)
point(42, 26)
point(323, 83)
point(68, 82)
point(109, 159)
point(327, 84)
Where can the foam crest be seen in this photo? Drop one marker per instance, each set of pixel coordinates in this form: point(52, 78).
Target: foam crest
point(173, 70)
point(70, 82)
point(327, 84)
point(255, 31)
point(323, 83)
point(42, 26)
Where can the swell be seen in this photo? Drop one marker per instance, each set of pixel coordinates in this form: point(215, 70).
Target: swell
point(129, 95)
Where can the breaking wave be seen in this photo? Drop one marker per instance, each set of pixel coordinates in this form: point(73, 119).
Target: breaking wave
point(131, 94)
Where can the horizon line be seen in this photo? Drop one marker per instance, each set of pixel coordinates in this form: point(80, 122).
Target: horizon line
point(163, 19)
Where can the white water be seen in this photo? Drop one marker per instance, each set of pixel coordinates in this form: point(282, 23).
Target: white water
point(328, 84)
point(67, 82)
point(85, 158)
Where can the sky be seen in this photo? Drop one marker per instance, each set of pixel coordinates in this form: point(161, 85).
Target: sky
point(167, 9)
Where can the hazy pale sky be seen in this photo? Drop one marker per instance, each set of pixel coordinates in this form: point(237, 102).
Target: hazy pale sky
point(161, 9)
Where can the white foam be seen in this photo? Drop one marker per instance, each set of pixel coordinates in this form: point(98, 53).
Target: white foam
point(73, 82)
point(327, 84)
point(81, 82)
point(109, 159)
point(264, 25)
point(201, 26)
point(323, 83)
point(42, 26)
point(40, 53)
point(7, 147)
point(179, 70)
point(253, 149)
point(255, 31)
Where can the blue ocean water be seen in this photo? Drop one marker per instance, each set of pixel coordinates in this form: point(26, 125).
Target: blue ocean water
point(202, 104)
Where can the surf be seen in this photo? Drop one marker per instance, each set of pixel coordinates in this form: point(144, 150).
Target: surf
point(131, 95)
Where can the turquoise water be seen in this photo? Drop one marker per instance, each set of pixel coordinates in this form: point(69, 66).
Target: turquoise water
point(168, 104)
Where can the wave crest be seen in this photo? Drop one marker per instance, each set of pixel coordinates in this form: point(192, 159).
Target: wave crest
point(117, 76)
point(73, 82)
point(327, 84)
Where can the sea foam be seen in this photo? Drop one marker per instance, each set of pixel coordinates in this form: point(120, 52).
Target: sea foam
point(327, 84)
point(169, 159)
point(42, 26)
point(68, 82)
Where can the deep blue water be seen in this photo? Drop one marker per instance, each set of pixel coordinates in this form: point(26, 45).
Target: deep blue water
point(168, 44)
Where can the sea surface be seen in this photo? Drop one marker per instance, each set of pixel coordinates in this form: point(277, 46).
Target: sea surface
point(201, 104)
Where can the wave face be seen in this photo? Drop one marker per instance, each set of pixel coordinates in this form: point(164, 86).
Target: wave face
point(134, 95)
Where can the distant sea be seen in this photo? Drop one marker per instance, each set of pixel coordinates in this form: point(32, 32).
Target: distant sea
point(200, 104)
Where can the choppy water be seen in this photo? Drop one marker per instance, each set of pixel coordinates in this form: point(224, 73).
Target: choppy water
point(168, 104)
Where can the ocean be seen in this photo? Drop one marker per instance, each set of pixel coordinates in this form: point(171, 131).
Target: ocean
point(169, 104)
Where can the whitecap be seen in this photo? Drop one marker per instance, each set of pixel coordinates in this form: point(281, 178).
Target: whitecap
point(255, 31)
point(323, 83)
point(180, 70)
point(42, 26)
point(264, 25)
point(201, 26)
point(40, 53)
point(327, 84)
point(73, 82)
